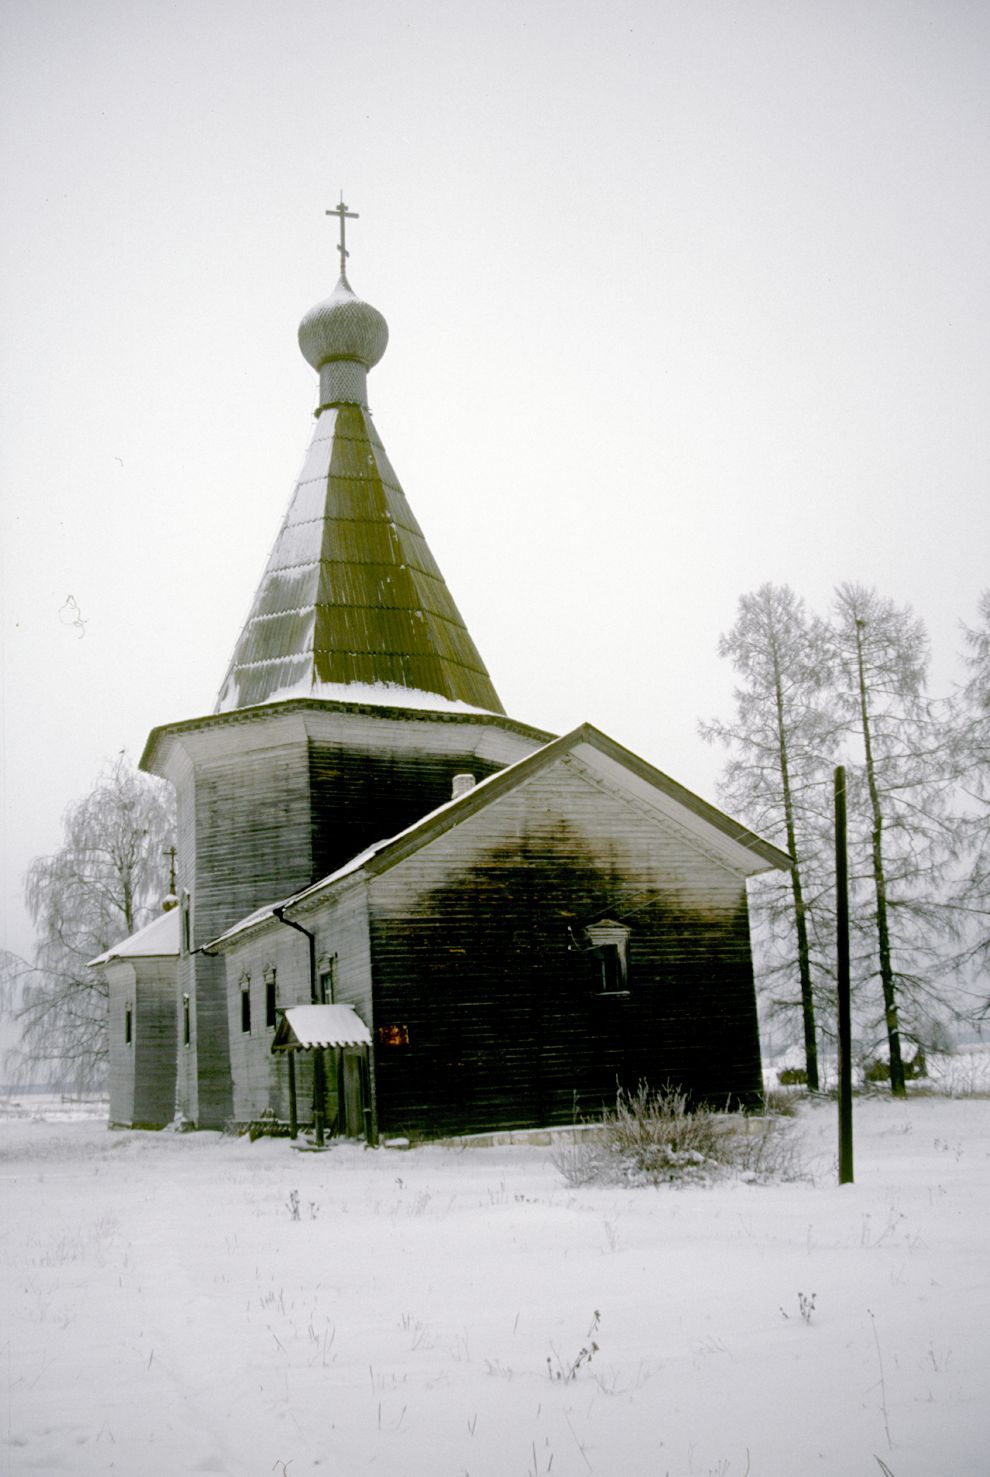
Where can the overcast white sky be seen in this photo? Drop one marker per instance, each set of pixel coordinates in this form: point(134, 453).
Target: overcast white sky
point(683, 297)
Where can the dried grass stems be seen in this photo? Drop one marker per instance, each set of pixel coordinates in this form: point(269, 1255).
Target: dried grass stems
point(656, 1136)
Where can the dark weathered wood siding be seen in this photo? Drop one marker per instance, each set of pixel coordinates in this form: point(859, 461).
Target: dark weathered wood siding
point(359, 797)
point(473, 955)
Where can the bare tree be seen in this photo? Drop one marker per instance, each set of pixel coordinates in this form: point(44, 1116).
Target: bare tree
point(973, 894)
point(904, 780)
point(777, 775)
point(105, 883)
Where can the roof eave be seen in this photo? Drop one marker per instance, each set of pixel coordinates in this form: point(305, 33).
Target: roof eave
point(165, 731)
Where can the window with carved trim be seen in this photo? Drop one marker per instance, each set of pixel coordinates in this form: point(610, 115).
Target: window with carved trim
point(610, 945)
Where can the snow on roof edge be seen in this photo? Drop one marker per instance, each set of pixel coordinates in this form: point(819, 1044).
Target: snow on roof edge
point(157, 939)
point(368, 694)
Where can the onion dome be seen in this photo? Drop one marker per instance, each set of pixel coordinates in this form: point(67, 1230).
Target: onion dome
point(343, 337)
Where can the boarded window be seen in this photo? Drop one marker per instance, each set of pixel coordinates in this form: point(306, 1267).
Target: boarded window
point(128, 1025)
point(271, 997)
point(245, 1008)
point(186, 1023)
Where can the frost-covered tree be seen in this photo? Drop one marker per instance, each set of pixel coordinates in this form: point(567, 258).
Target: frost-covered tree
point(777, 778)
point(105, 882)
point(973, 896)
point(900, 784)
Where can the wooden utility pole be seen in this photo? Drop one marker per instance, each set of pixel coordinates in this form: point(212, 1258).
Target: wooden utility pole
point(842, 979)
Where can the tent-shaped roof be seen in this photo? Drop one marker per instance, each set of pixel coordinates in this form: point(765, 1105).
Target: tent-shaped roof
point(158, 939)
point(351, 596)
point(304, 1026)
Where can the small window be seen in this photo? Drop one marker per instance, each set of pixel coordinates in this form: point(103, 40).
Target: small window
point(326, 985)
point(186, 1022)
point(609, 943)
point(246, 1008)
point(128, 1025)
point(613, 969)
point(271, 998)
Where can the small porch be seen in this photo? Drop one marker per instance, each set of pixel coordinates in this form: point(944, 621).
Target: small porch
point(322, 1030)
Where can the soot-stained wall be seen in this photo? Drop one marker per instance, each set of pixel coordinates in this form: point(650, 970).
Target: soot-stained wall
point(497, 999)
point(359, 798)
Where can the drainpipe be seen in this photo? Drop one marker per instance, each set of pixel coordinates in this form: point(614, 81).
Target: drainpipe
point(319, 1079)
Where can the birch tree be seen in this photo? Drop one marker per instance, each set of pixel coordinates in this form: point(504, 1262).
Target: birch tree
point(777, 776)
point(107, 880)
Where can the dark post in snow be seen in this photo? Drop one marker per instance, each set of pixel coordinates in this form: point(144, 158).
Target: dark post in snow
point(842, 979)
point(319, 1097)
point(290, 1058)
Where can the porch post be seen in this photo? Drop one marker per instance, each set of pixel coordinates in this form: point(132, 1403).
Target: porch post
point(293, 1113)
point(319, 1097)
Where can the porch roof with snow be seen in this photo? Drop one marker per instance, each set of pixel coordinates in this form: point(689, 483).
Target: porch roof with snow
point(305, 1027)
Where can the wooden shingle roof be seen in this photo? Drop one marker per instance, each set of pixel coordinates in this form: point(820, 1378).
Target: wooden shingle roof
point(351, 593)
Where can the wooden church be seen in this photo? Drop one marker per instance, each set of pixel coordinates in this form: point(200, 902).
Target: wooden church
point(401, 912)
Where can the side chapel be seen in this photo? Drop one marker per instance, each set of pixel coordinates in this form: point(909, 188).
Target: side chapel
point(401, 912)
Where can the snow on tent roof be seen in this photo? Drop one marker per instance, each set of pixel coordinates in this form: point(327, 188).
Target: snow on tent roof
point(303, 1026)
point(157, 939)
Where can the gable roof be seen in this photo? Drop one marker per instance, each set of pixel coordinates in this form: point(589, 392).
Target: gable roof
point(749, 852)
point(158, 939)
point(741, 849)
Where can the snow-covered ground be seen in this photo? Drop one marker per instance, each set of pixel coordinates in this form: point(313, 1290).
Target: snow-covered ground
point(163, 1311)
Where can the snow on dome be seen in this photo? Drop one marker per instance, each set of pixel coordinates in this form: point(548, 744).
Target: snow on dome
point(343, 327)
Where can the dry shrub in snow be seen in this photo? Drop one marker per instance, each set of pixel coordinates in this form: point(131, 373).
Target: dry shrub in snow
point(654, 1136)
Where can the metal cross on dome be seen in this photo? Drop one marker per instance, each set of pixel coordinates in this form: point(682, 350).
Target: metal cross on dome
point(343, 214)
